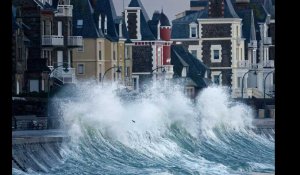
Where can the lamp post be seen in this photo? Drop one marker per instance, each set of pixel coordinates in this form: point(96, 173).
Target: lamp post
point(114, 67)
point(265, 86)
point(243, 81)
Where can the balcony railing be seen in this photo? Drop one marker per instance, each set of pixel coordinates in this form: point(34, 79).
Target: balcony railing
point(65, 77)
point(269, 63)
point(267, 40)
point(75, 41)
point(64, 10)
point(52, 40)
point(246, 64)
point(247, 92)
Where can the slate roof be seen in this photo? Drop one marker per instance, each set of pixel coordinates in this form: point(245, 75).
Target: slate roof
point(82, 10)
point(270, 8)
point(164, 21)
point(137, 3)
point(198, 3)
point(145, 29)
point(181, 28)
point(158, 17)
point(180, 58)
point(106, 8)
point(259, 13)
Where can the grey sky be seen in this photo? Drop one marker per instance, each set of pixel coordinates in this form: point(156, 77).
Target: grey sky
point(170, 7)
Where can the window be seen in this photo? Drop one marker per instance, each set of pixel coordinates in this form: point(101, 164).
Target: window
point(100, 72)
point(43, 28)
point(193, 32)
point(190, 92)
point(20, 53)
point(34, 85)
point(79, 23)
point(43, 85)
point(216, 79)
point(80, 69)
point(194, 53)
point(127, 71)
point(81, 48)
point(216, 55)
point(239, 82)
point(114, 55)
point(100, 52)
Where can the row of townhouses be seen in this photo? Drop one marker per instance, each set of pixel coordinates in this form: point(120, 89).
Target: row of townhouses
point(228, 42)
point(235, 39)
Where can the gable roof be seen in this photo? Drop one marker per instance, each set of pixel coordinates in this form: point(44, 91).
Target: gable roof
point(82, 10)
point(146, 33)
point(137, 3)
point(158, 17)
point(180, 57)
point(106, 8)
point(259, 13)
point(181, 29)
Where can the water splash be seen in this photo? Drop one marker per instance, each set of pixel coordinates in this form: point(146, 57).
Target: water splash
point(160, 131)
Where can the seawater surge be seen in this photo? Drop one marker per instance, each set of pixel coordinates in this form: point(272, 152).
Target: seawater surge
point(159, 132)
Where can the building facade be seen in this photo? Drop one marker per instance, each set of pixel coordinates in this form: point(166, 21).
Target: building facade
point(106, 47)
point(151, 44)
point(231, 38)
point(48, 28)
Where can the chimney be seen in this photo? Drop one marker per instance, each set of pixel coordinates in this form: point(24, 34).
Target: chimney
point(216, 9)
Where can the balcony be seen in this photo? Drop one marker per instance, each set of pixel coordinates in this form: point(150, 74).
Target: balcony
point(52, 40)
point(268, 64)
point(64, 77)
point(64, 11)
point(246, 64)
point(267, 40)
point(248, 92)
point(75, 41)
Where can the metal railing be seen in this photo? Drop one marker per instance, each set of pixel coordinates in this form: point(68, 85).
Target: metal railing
point(247, 64)
point(269, 63)
point(65, 77)
point(267, 40)
point(52, 40)
point(75, 41)
point(64, 10)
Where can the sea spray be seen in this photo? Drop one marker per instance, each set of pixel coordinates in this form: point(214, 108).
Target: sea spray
point(160, 131)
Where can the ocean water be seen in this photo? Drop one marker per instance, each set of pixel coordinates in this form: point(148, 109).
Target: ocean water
point(159, 132)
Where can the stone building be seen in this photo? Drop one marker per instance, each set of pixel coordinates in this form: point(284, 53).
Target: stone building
point(106, 47)
point(47, 24)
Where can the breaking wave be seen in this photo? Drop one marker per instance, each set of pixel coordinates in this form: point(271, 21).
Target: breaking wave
point(160, 132)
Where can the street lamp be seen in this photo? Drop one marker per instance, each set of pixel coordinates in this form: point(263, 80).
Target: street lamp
point(243, 81)
point(114, 67)
point(265, 86)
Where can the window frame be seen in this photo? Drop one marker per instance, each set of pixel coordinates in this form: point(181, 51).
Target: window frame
point(83, 69)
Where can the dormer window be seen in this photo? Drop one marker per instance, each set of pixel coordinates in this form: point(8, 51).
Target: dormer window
point(79, 23)
point(105, 25)
point(99, 22)
point(193, 30)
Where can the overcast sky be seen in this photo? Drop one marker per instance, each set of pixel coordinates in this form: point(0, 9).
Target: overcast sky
point(170, 7)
